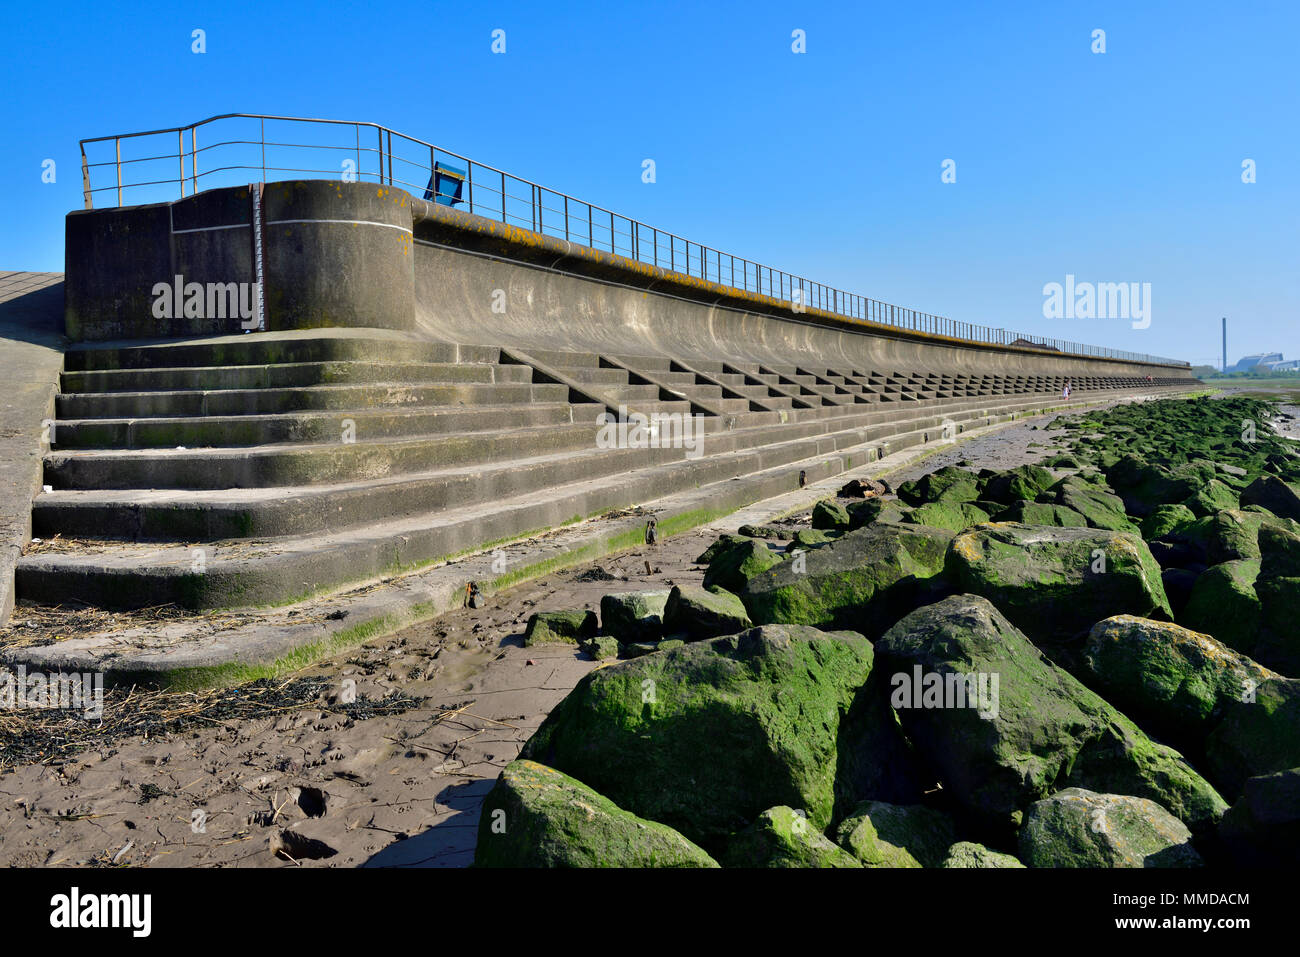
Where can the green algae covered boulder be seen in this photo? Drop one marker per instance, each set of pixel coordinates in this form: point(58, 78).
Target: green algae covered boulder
point(949, 484)
point(731, 567)
point(1275, 495)
point(953, 516)
point(1043, 729)
point(634, 616)
point(967, 854)
point(560, 626)
point(1039, 513)
point(536, 816)
point(814, 537)
point(1055, 582)
point(890, 835)
point(1179, 680)
point(1259, 734)
point(830, 514)
point(1081, 828)
point(704, 612)
point(1229, 535)
point(1224, 604)
point(721, 544)
point(706, 737)
point(1164, 519)
point(875, 510)
point(863, 581)
point(1024, 482)
point(1099, 507)
point(782, 837)
point(1213, 496)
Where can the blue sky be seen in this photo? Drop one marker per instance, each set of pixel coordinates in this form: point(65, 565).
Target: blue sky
point(1120, 166)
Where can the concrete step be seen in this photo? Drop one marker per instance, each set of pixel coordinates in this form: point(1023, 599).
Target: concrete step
point(302, 464)
point(270, 348)
point(124, 405)
point(288, 375)
point(249, 430)
point(215, 514)
point(241, 574)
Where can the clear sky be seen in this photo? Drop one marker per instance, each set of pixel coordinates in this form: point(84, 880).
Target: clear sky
point(1122, 166)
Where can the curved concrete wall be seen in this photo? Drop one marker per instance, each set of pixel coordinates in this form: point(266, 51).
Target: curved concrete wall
point(564, 296)
point(334, 254)
point(358, 254)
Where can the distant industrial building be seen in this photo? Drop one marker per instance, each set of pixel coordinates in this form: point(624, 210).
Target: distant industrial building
point(1266, 360)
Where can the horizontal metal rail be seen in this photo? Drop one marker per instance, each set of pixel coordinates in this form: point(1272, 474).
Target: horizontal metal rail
point(363, 151)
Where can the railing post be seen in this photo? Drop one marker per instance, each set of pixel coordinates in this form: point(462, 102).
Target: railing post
point(117, 143)
point(180, 159)
point(194, 159)
point(262, 127)
point(85, 180)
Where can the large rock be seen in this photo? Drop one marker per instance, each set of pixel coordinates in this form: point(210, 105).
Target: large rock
point(733, 566)
point(1044, 728)
point(1101, 508)
point(830, 514)
point(1081, 828)
point(1144, 486)
point(706, 737)
point(1025, 482)
point(889, 835)
point(1055, 582)
point(704, 612)
point(782, 837)
point(537, 817)
point(634, 616)
point(954, 516)
point(1263, 828)
point(875, 510)
point(948, 484)
point(560, 626)
point(1270, 492)
point(1040, 513)
point(1259, 734)
point(1224, 604)
point(863, 581)
point(967, 854)
point(1214, 496)
point(1278, 644)
point(1180, 681)
point(1228, 535)
point(1164, 519)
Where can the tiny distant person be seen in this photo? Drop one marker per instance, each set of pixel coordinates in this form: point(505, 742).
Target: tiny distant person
point(1065, 393)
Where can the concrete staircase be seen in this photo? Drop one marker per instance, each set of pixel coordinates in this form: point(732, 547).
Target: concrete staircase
point(260, 469)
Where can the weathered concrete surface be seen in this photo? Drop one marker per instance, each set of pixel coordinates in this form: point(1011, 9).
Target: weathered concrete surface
point(357, 254)
point(561, 295)
point(334, 254)
point(31, 355)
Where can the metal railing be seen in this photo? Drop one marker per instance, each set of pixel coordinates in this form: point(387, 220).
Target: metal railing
point(363, 151)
